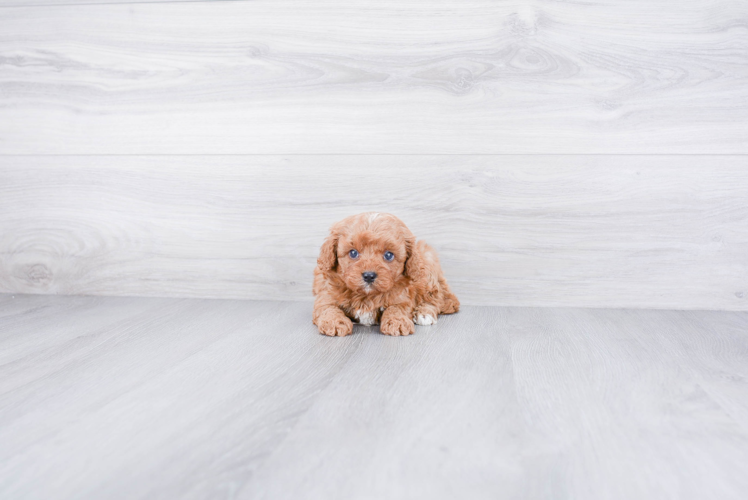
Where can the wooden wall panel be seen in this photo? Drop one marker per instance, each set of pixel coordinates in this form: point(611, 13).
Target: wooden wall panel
point(598, 231)
point(68, 3)
point(282, 77)
point(202, 148)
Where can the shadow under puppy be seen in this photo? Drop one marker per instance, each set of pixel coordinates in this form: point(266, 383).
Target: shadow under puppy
point(371, 269)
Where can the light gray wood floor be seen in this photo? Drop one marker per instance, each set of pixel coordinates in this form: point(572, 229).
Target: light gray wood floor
point(183, 398)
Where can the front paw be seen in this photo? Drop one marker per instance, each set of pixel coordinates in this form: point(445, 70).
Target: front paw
point(335, 325)
point(397, 325)
point(425, 314)
point(424, 319)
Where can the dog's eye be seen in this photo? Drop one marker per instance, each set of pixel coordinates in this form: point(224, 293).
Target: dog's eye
point(353, 254)
point(388, 256)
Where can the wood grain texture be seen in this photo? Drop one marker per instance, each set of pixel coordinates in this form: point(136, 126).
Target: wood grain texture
point(585, 231)
point(478, 76)
point(105, 397)
point(71, 3)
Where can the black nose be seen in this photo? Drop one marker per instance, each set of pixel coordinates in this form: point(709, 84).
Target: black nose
point(369, 276)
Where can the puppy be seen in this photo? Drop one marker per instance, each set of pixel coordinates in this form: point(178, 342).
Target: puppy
point(372, 270)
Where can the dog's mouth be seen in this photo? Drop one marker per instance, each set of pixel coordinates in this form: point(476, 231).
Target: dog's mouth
point(367, 287)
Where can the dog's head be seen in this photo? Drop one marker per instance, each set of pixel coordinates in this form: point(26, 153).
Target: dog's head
point(371, 252)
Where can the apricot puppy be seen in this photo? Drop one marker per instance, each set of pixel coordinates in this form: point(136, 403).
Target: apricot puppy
point(371, 269)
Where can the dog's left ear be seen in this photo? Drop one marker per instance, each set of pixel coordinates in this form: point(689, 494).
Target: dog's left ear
point(415, 267)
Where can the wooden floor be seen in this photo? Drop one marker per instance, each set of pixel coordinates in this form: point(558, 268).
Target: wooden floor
point(182, 398)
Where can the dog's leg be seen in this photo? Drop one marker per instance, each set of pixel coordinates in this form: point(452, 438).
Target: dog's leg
point(396, 320)
point(332, 321)
point(450, 304)
point(425, 314)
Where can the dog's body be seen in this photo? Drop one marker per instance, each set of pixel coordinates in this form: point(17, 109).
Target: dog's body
point(372, 270)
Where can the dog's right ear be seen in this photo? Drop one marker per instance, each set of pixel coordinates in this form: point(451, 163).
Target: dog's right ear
point(328, 254)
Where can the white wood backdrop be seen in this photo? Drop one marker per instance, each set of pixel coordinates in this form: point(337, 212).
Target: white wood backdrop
point(203, 148)
point(392, 76)
point(613, 231)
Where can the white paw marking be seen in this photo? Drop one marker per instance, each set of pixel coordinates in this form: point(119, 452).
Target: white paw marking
point(365, 318)
point(424, 320)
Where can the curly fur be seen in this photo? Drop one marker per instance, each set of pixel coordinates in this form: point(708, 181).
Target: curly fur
point(409, 289)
